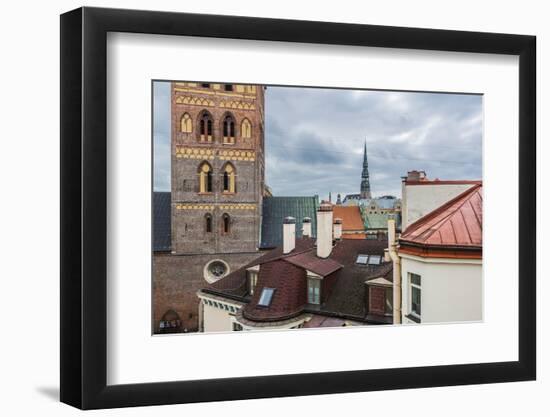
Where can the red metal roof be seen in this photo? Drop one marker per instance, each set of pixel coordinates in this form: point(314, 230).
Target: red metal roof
point(457, 223)
point(441, 182)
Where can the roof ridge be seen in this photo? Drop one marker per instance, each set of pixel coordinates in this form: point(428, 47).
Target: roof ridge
point(285, 255)
point(434, 213)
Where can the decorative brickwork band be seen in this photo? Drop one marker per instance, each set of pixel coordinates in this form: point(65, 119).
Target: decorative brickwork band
point(230, 206)
point(224, 155)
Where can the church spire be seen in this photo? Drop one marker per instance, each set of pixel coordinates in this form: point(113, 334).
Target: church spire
point(365, 181)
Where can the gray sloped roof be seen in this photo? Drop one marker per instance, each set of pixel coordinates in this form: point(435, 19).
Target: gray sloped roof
point(162, 221)
point(275, 209)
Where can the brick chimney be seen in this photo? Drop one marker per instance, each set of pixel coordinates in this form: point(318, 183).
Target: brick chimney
point(289, 234)
point(306, 227)
point(324, 229)
point(337, 228)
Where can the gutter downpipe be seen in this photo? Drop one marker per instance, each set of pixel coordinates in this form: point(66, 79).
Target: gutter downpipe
point(392, 251)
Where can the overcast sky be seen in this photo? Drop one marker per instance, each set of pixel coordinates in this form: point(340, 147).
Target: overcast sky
point(315, 137)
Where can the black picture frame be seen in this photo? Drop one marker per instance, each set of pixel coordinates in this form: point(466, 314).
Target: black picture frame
point(84, 207)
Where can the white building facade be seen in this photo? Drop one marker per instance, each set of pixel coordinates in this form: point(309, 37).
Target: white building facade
point(438, 261)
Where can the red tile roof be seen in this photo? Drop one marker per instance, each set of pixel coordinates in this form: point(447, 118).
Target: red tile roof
point(323, 321)
point(311, 262)
point(351, 217)
point(289, 297)
point(456, 224)
point(354, 236)
point(236, 281)
point(343, 288)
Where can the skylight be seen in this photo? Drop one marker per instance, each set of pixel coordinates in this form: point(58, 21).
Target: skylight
point(368, 259)
point(362, 259)
point(375, 259)
point(266, 296)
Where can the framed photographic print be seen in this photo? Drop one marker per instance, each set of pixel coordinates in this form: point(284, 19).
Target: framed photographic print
point(258, 208)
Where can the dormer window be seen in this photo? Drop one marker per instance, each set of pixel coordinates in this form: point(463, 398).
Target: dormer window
point(252, 276)
point(266, 297)
point(313, 291)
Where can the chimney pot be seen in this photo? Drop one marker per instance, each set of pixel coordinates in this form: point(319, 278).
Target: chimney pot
point(337, 228)
point(324, 229)
point(289, 234)
point(306, 227)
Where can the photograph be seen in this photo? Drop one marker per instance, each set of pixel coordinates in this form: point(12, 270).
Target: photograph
point(291, 207)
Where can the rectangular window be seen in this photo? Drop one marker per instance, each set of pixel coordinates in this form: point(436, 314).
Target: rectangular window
point(416, 296)
point(252, 280)
point(266, 296)
point(389, 301)
point(313, 291)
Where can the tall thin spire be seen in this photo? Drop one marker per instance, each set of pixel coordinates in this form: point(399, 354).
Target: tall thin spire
point(365, 181)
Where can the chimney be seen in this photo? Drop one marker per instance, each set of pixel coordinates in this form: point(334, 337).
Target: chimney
point(306, 227)
point(337, 228)
point(324, 230)
point(416, 175)
point(391, 232)
point(289, 234)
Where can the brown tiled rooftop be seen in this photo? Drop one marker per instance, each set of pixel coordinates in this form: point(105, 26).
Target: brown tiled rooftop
point(310, 261)
point(351, 217)
point(356, 236)
point(343, 293)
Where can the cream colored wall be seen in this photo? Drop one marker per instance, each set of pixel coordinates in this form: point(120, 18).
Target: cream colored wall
point(419, 200)
point(216, 320)
point(451, 290)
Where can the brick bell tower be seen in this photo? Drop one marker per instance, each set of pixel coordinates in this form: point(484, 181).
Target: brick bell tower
point(217, 183)
point(217, 167)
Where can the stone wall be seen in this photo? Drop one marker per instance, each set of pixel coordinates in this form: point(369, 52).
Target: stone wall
point(176, 280)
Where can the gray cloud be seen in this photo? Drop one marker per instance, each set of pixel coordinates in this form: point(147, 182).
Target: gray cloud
point(315, 137)
point(161, 136)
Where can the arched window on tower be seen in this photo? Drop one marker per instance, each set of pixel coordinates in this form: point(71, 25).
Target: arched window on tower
point(228, 127)
point(205, 127)
point(228, 180)
point(226, 223)
point(205, 178)
point(186, 123)
point(246, 129)
point(208, 223)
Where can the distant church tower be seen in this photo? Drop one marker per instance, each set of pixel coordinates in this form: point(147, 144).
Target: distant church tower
point(365, 181)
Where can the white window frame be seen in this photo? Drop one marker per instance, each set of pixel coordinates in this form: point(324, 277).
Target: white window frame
point(268, 298)
point(318, 285)
point(419, 288)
